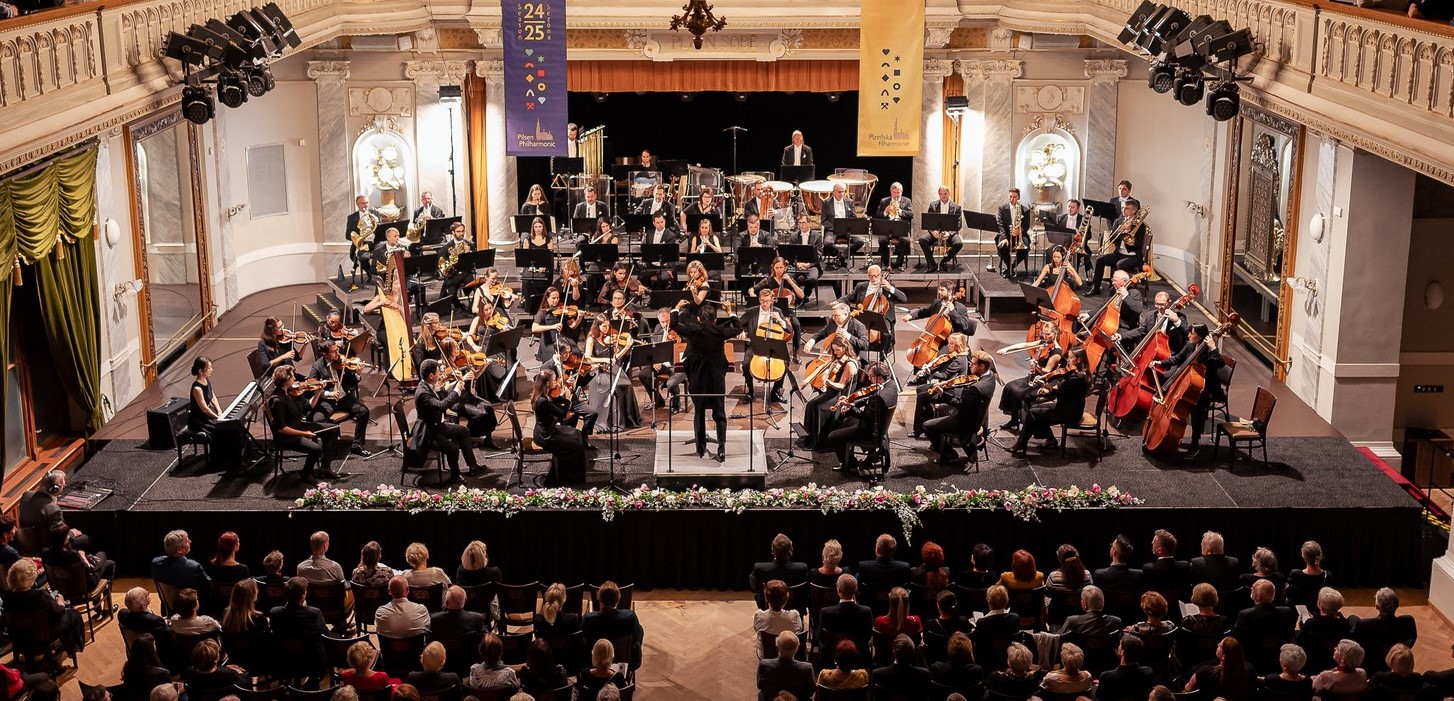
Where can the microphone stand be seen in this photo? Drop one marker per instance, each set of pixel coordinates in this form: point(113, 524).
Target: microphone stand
point(734, 130)
point(389, 402)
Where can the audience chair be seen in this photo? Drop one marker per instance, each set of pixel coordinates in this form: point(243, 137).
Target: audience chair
point(30, 541)
point(883, 693)
point(479, 599)
point(32, 642)
point(491, 694)
point(1224, 374)
point(828, 641)
point(623, 645)
point(564, 693)
point(971, 599)
point(183, 436)
point(767, 646)
point(336, 650)
point(1030, 605)
point(366, 602)
point(823, 693)
point(331, 599)
point(249, 694)
point(922, 601)
point(400, 656)
point(524, 449)
point(298, 694)
point(270, 596)
point(625, 603)
point(297, 658)
point(936, 647)
point(1125, 604)
point(569, 649)
point(431, 596)
point(166, 594)
point(412, 460)
point(1230, 602)
point(247, 651)
point(459, 653)
point(517, 604)
point(1091, 424)
point(179, 655)
point(517, 646)
point(1100, 650)
point(575, 598)
point(1064, 603)
point(1253, 435)
point(1157, 651)
point(452, 693)
point(871, 459)
point(71, 583)
point(818, 597)
point(1192, 648)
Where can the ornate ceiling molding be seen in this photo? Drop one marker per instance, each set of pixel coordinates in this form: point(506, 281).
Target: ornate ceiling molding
point(937, 36)
point(107, 125)
point(492, 71)
point(328, 71)
point(437, 72)
point(938, 69)
point(1103, 71)
point(974, 71)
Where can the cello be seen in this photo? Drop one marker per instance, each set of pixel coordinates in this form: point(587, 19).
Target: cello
point(875, 302)
point(1135, 392)
point(1171, 413)
point(936, 332)
point(766, 368)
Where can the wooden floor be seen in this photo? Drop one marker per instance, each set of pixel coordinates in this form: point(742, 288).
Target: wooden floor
point(699, 645)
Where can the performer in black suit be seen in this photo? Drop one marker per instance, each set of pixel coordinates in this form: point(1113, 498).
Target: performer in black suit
point(1013, 219)
point(1213, 391)
point(895, 207)
point(1162, 318)
point(706, 366)
point(838, 377)
point(797, 153)
point(877, 284)
point(761, 204)
point(562, 441)
point(591, 208)
point(1056, 401)
point(1073, 219)
point(952, 362)
point(958, 313)
point(430, 428)
point(950, 239)
point(955, 416)
point(1130, 246)
point(838, 206)
point(426, 203)
point(753, 322)
point(804, 273)
point(853, 331)
point(756, 236)
point(864, 420)
point(1123, 195)
point(1129, 299)
point(341, 394)
point(659, 203)
point(368, 231)
point(288, 409)
point(661, 233)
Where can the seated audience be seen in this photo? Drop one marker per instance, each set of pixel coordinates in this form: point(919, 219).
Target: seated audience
point(958, 668)
point(143, 670)
point(224, 567)
point(1017, 679)
point(554, 621)
point(1022, 574)
point(1303, 585)
point(165, 692)
point(993, 628)
point(1264, 568)
point(612, 623)
point(1230, 678)
point(905, 675)
point(881, 573)
point(601, 672)
point(1214, 567)
point(1322, 630)
point(401, 618)
point(23, 598)
point(175, 569)
point(1071, 575)
point(474, 566)
point(541, 671)
point(137, 616)
point(18, 683)
point(455, 623)
point(318, 569)
point(1095, 620)
point(404, 692)
point(1153, 606)
point(846, 672)
point(48, 691)
point(1071, 678)
point(1166, 574)
point(370, 571)
point(1400, 679)
point(420, 574)
point(776, 619)
point(206, 674)
point(1264, 621)
point(981, 574)
point(950, 620)
point(1290, 683)
point(1206, 620)
point(361, 674)
point(847, 617)
point(186, 620)
point(1119, 578)
point(433, 678)
point(1346, 678)
point(490, 673)
point(295, 619)
point(66, 555)
point(784, 672)
point(1378, 635)
point(273, 569)
point(931, 572)
point(781, 568)
point(1130, 679)
point(827, 574)
point(898, 621)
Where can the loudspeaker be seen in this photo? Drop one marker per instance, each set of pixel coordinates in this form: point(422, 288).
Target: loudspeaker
point(159, 422)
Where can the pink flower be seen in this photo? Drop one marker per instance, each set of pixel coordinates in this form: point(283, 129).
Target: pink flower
point(530, 492)
point(1095, 489)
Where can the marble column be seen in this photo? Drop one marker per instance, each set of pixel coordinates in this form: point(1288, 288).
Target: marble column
point(500, 169)
point(1100, 138)
point(929, 162)
point(434, 122)
point(997, 159)
point(335, 171)
point(971, 137)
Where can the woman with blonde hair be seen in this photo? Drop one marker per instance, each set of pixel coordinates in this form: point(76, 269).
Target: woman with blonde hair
point(601, 672)
point(361, 674)
point(474, 566)
point(241, 616)
point(898, 621)
point(420, 574)
point(554, 621)
point(827, 574)
point(433, 678)
point(1018, 679)
point(1071, 678)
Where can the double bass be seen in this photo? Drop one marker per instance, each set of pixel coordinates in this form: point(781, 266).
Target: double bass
point(1171, 413)
point(936, 332)
point(1064, 302)
point(1105, 324)
point(1135, 392)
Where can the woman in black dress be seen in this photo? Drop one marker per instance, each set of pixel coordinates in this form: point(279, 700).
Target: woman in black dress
point(552, 322)
point(1052, 271)
point(539, 237)
point(535, 202)
point(838, 380)
point(205, 408)
point(562, 442)
point(277, 345)
point(705, 361)
point(288, 414)
point(1044, 360)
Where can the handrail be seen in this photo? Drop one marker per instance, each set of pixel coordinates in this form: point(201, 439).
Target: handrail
point(53, 14)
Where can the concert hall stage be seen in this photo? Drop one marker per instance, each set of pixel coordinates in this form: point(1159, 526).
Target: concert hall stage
point(1316, 486)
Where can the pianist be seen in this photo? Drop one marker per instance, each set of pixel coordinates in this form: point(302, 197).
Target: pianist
point(205, 408)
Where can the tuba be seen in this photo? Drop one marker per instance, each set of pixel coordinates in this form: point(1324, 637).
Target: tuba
point(1125, 234)
point(363, 238)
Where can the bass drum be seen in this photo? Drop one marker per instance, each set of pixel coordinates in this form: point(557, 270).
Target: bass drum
point(815, 193)
point(742, 187)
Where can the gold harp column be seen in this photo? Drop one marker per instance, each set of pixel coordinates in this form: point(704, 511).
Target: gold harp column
point(494, 171)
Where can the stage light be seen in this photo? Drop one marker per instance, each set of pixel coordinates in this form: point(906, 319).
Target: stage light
point(1162, 29)
point(740, 97)
point(197, 104)
point(1161, 77)
point(271, 34)
point(1137, 22)
point(284, 25)
point(956, 106)
point(450, 94)
point(1227, 47)
point(1224, 101)
point(259, 80)
point(833, 96)
point(1190, 87)
point(600, 97)
point(230, 90)
point(191, 50)
point(237, 48)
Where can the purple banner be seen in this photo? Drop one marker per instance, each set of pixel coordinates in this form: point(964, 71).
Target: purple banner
point(535, 97)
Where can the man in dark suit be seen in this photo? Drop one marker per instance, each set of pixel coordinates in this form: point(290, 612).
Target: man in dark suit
point(1123, 195)
point(841, 318)
point(847, 617)
point(1073, 219)
point(1000, 624)
point(296, 620)
point(1121, 578)
point(426, 204)
point(705, 363)
point(591, 208)
point(430, 428)
point(784, 673)
point(882, 573)
point(1130, 246)
point(755, 235)
point(455, 623)
point(904, 676)
point(1160, 317)
point(660, 233)
point(1129, 300)
point(868, 421)
point(804, 273)
point(1214, 567)
point(659, 203)
point(797, 153)
point(950, 239)
point(1211, 359)
point(1166, 575)
point(781, 567)
point(1264, 621)
point(1130, 680)
point(1383, 631)
point(175, 569)
point(1094, 621)
point(612, 623)
point(895, 207)
point(953, 416)
point(371, 236)
point(877, 283)
point(1013, 219)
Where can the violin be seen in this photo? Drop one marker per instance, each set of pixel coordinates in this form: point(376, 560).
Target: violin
point(351, 364)
point(442, 333)
point(932, 366)
point(951, 383)
point(298, 389)
point(860, 395)
point(569, 311)
point(936, 332)
point(286, 336)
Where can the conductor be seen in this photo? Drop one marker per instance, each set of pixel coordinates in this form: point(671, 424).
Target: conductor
point(705, 361)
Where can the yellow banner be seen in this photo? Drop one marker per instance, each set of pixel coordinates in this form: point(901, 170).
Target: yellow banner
point(890, 77)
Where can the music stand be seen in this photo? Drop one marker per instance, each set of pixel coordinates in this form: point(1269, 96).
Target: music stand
point(582, 225)
point(603, 255)
point(505, 342)
point(710, 260)
point(520, 223)
point(756, 259)
point(795, 253)
point(1104, 210)
point(649, 356)
point(885, 229)
point(414, 265)
point(532, 304)
point(660, 255)
point(797, 174)
point(534, 259)
point(475, 260)
point(638, 222)
point(1037, 297)
point(979, 221)
point(623, 171)
point(668, 299)
point(695, 220)
point(938, 221)
point(673, 168)
point(435, 229)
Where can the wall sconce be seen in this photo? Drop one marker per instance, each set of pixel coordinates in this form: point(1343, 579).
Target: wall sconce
point(130, 287)
point(1307, 285)
point(235, 210)
point(1196, 208)
point(1434, 295)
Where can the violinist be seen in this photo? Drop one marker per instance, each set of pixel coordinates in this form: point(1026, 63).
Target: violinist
point(867, 418)
point(432, 399)
point(488, 322)
point(1044, 359)
point(340, 393)
point(949, 239)
point(663, 277)
point(805, 273)
point(705, 241)
point(953, 363)
point(1213, 391)
point(955, 416)
point(332, 329)
point(787, 295)
point(539, 237)
point(756, 322)
point(1013, 219)
point(492, 289)
point(479, 415)
point(705, 361)
point(605, 338)
point(551, 323)
point(1152, 319)
point(1058, 267)
point(551, 433)
point(699, 282)
point(288, 408)
point(838, 380)
point(621, 279)
point(575, 373)
point(430, 331)
point(1129, 239)
point(895, 207)
point(841, 324)
point(945, 303)
point(1058, 401)
point(278, 345)
point(572, 285)
point(662, 375)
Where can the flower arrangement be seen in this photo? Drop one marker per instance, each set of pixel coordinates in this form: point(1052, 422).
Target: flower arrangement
point(1024, 503)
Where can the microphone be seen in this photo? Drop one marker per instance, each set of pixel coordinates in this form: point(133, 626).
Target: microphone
point(734, 128)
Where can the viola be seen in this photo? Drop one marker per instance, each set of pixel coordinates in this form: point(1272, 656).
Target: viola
point(569, 311)
point(298, 389)
point(1135, 392)
point(442, 333)
point(857, 396)
point(951, 383)
point(936, 332)
point(1169, 417)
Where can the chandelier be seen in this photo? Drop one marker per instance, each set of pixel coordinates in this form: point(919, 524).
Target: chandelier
point(697, 18)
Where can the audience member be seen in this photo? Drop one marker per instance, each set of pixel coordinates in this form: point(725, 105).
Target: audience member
point(1400, 679)
point(1166, 574)
point(958, 668)
point(931, 572)
point(48, 691)
point(612, 623)
point(98, 567)
point(491, 673)
point(454, 622)
point(474, 566)
point(401, 618)
point(205, 674)
point(370, 571)
point(784, 672)
point(433, 677)
point(609, 692)
point(776, 619)
point(881, 573)
point(601, 672)
point(404, 692)
point(1264, 621)
point(420, 574)
point(40, 512)
point(17, 683)
point(186, 620)
point(993, 628)
point(22, 597)
point(1323, 629)
point(175, 569)
point(905, 675)
point(1230, 678)
point(1119, 576)
point(981, 574)
point(1346, 678)
point(1095, 621)
point(554, 621)
point(1022, 574)
point(1153, 606)
point(165, 692)
point(344, 693)
point(898, 620)
point(137, 616)
point(361, 674)
point(827, 574)
point(1130, 679)
point(845, 673)
point(318, 569)
point(1206, 620)
point(241, 616)
point(1303, 585)
point(1264, 567)
point(847, 617)
point(1071, 574)
point(295, 619)
point(1161, 693)
point(143, 670)
point(8, 553)
point(273, 569)
point(1290, 684)
point(1378, 635)
point(1214, 567)
point(781, 568)
point(541, 672)
point(950, 620)
point(224, 567)
point(1017, 679)
point(1071, 678)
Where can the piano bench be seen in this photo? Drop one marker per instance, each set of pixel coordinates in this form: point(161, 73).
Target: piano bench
point(186, 437)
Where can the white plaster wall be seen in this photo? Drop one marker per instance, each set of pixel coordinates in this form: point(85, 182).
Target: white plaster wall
point(120, 327)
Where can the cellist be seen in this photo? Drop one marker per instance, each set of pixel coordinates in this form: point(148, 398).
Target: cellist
point(1056, 269)
point(841, 322)
point(957, 313)
point(1127, 297)
point(755, 322)
point(1043, 360)
point(1212, 391)
point(787, 295)
point(875, 285)
point(951, 364)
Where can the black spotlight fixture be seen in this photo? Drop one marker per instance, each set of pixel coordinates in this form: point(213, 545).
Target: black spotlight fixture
point(258, 80)
point(1137, 21)
point(1161, 77)
point(833, 96)
point(1190, 86)
point(197, 105)
point(1224, 101)
point(230, 89)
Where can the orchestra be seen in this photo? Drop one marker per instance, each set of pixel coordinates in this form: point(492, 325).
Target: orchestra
point(442, 388)
point(340, 393)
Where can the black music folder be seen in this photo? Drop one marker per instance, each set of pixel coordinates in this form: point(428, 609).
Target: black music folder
point(521, 223)
point(1104, 210)
point(710, 260)
point(850, 226)
point(695, 220)
point(435, 229)
point(659, 254)
point(981, 221)
point(938, 221)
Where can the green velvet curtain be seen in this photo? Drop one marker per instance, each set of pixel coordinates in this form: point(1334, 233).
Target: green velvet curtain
point(44, 212)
